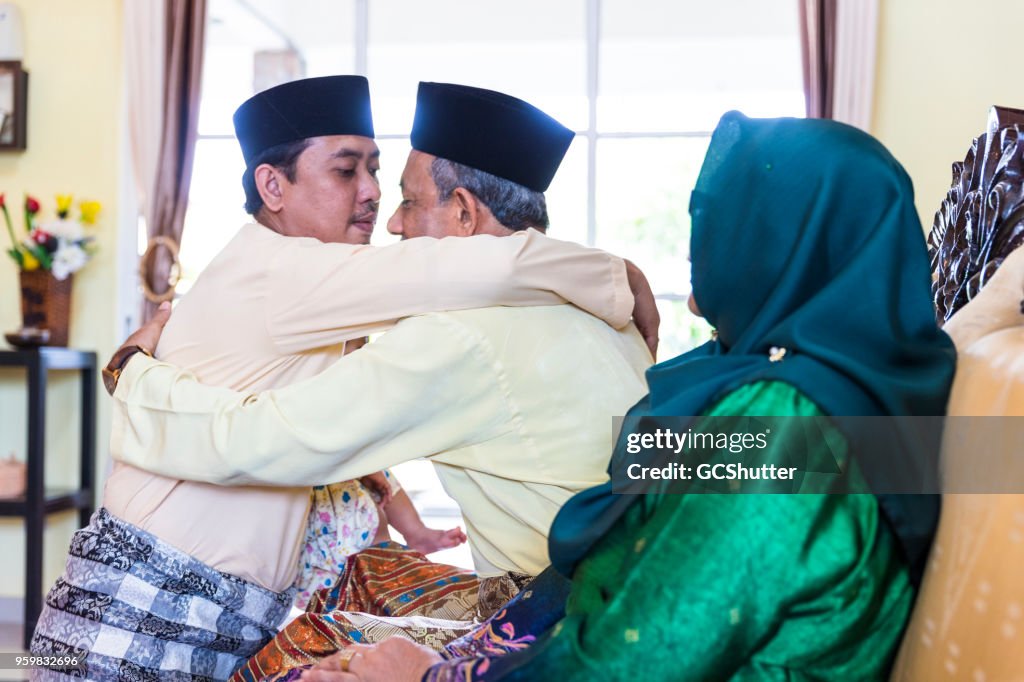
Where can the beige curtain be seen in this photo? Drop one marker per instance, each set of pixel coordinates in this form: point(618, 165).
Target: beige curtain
point(817, 51)
point(144, 46)
point(167, 198)
point(853, 87)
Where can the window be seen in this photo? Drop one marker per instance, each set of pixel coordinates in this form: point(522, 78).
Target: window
point(643, 83)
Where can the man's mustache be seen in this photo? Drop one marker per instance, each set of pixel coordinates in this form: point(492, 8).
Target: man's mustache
point(370, 213)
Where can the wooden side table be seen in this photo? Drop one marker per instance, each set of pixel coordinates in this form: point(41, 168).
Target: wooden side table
point(40, 500)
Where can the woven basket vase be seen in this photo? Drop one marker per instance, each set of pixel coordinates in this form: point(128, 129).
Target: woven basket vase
point(46, 304)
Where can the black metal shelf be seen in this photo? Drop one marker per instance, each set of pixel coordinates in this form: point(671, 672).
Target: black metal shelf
point(54, 500)
point(49, 357)
point(38, 500)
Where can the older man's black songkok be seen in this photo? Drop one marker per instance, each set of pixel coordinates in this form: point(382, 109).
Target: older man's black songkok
point(311, 107)
point(489, 131)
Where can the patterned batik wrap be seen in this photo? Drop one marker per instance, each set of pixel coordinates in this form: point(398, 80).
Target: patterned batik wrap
point(132, 607)
point(386, 591)
point(343, 520)
point(482, 654)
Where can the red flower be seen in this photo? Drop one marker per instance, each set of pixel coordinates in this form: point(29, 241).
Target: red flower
point(2, 200)
point(40, 237)
point(31, 205)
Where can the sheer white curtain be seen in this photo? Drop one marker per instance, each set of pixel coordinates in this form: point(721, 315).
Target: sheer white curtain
point(838, 41)
point(856, 38)
point(145, 36)
point(143, 33)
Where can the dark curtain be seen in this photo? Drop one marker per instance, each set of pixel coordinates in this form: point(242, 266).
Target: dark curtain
point(817, 51)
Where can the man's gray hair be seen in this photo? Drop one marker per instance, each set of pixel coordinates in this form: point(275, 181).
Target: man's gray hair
point(514, 206)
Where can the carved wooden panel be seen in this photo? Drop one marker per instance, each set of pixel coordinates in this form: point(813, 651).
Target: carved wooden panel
point(981, 220)
point(1004, 117)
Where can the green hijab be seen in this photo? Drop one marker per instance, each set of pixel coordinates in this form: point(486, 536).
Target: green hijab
point(804, 237)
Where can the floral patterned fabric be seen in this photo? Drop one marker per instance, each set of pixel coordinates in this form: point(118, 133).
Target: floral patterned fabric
point(342, 521)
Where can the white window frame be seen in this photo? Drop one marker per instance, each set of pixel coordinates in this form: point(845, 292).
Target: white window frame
point(590, 133)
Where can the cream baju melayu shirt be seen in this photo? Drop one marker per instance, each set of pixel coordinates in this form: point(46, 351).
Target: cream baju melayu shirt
point(272, 310)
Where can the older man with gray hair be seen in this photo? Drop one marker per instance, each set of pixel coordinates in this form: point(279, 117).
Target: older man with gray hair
point(480, 164)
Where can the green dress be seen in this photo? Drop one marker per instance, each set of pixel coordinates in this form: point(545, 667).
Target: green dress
point(734, 587)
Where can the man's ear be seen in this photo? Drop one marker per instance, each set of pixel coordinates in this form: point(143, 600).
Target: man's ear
point(268, 184)
point(467, 212)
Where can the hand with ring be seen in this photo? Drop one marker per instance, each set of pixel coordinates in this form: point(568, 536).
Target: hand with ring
point(393, 660)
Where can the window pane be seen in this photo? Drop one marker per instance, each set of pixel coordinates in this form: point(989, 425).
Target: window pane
point(393, 153)
point(680, 329)
point(256, 44)
point(227, 82)
point(668, 66)
point(643, 196)
point(215, 206)
point(567, 196)
point(532, 49)
point(323, 30)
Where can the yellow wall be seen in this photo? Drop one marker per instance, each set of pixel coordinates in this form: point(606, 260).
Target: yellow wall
point(73, 55)
point(941, 65)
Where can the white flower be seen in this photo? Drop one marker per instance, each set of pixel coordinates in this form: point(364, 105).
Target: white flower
point(63, 228)
point(67, 259)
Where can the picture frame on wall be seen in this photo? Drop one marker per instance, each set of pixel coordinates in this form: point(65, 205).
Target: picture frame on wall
point(13, 106)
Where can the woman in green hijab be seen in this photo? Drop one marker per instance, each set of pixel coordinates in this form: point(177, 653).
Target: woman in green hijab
point(809, 260)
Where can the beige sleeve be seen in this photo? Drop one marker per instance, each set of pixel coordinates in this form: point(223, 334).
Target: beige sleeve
point(390, 402)
point(322, 294)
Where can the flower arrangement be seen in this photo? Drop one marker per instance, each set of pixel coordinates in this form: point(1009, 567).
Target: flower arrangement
point(59, 246)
